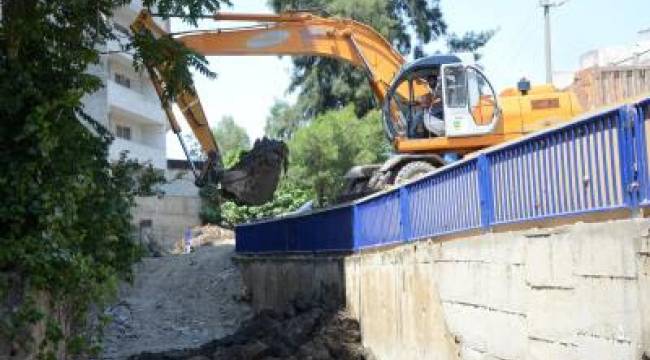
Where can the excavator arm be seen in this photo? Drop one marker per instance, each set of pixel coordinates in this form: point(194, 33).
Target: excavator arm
point(254, 180)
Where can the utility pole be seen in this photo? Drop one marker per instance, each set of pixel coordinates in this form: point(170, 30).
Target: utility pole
point(547, 5)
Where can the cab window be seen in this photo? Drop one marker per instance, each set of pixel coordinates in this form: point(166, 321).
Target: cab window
point(482, 103)
point(455, 87)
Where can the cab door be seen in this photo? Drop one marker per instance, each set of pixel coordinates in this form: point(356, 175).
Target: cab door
point(470, 103)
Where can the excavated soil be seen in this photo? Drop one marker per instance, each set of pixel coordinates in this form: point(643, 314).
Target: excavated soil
point(193, 306)
point(303, 333)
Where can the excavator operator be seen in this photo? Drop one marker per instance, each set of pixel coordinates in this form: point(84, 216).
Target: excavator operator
point(429, 114)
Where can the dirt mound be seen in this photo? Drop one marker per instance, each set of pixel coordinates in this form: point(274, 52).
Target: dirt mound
point(253, 180)
point(303, 333)
point(206, 235)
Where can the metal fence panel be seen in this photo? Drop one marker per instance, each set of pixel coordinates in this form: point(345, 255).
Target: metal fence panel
point(378, 220)
point(324, 231)
point(329, 230)
point(597, 163)
point(445, 202)
point(573, 169)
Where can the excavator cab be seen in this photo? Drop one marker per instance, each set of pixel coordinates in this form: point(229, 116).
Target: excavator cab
point(440, 96)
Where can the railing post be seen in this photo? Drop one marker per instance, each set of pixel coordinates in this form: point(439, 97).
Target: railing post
point(485, 191)
point(628, 164)
point(404, 213)
point(356, 228)
point(641, 146)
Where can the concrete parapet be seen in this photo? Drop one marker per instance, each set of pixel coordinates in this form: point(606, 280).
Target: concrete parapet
point(578, 291)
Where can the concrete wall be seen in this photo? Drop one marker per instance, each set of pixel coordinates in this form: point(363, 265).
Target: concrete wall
point(168, 216)
point(579, 291)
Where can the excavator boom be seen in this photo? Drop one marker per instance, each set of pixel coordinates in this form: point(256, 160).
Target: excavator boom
point(255, 178)
point(297, 34)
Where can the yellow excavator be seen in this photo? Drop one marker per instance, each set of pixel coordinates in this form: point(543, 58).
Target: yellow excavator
point(435, 109)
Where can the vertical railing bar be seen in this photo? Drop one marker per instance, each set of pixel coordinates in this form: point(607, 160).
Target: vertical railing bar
point(545, 175)
point(553, 174)
point(597, 154)
point(581, 197)
point(533, 173)
point(443, 215)
point(529, 181)
point(465, 206)
point(613, 169)
point(453, 215)
point(494, 173)
point(458, 200)
point(606, 173)
point(559, 161)
point(590, 154)
point(566, 184)
point(520, 182)
point(623, 155)
point(506, 185)
point(559, 173)
point(475, 199)
point(572, 151)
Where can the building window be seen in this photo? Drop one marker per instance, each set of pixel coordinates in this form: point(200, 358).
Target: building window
point(122, 80)
point(123, 132)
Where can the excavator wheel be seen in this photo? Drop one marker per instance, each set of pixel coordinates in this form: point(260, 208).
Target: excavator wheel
point(253, 180)
point(412, 171)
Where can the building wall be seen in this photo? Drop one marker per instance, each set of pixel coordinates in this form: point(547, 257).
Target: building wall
point(134, 105)
point(579, 291)
point(164, 220)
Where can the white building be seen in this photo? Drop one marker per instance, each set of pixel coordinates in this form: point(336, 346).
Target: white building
point(129, 107)
point(127, 104)
point(624, 55)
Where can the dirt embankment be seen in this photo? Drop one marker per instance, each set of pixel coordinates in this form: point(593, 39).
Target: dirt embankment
point(304, 333)
point(177, 301)
point(193, 306)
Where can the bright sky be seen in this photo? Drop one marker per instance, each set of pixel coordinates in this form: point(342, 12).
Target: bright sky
point(247, 86)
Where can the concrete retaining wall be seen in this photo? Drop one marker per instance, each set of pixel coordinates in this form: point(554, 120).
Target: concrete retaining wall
point(579, 291)
point(163, 220)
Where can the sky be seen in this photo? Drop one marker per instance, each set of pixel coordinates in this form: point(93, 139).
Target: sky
point(246, 87)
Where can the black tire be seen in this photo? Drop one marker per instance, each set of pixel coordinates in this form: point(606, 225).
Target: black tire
point(412, 171)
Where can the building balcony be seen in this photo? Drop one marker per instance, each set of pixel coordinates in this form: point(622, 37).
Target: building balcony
point(140, 152)
point(134, 105)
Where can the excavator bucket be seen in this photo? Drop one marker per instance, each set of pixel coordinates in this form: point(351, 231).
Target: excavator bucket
point(253, 180)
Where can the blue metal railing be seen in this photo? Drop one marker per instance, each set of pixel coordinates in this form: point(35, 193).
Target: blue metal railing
point(595, 163)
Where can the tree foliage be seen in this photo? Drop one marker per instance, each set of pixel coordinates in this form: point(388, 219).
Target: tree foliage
point(65, 214)
point(283, 121)
point(469, 42)
point(324, 84)
point(230, 136)
point(323, 151)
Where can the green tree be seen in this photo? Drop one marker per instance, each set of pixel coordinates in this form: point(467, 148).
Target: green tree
point(65, 212)
point(283, 121)
point(230, 136)
point(323, 151)
point(323, 84)
point(469, 42)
